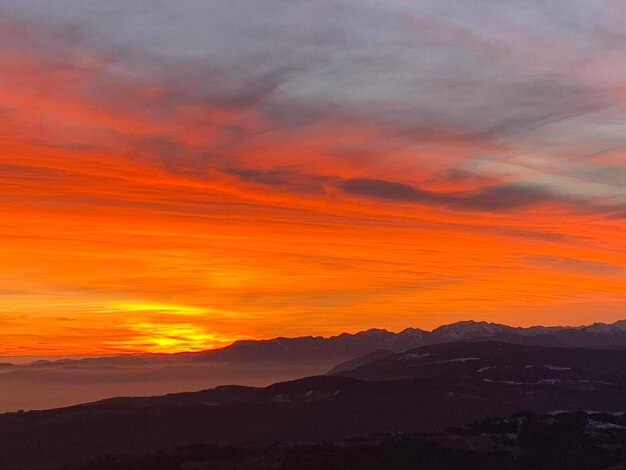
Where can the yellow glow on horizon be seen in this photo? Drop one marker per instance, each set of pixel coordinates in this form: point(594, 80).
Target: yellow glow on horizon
point(165, 338)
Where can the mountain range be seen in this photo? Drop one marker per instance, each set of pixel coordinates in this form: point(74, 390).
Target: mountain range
point(600, 335)
point(258, 363)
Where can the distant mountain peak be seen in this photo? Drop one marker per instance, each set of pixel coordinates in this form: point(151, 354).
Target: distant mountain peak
point(606, 328)
point(374, 332)
point(467, 328)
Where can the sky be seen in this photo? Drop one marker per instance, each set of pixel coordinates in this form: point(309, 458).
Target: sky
point(179, 175)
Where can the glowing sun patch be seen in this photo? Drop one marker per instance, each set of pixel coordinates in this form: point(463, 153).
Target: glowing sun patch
point(168, 338)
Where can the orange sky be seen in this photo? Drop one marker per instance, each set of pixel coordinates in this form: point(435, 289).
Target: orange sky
point(138, 213)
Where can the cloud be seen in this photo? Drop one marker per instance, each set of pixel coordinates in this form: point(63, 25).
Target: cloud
point(505, 197)
point(413, 64)
point(497, 198)
point(431, 77)
point(287, 180)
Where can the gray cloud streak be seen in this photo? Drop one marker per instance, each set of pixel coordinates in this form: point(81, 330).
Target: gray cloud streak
point(497, 198)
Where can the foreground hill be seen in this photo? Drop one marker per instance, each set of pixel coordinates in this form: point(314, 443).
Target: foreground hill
point(257, 363)
point(424, 389)
point(567, 441)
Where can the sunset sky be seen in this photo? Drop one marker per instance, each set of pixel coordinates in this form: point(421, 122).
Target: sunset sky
point(176, 175)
